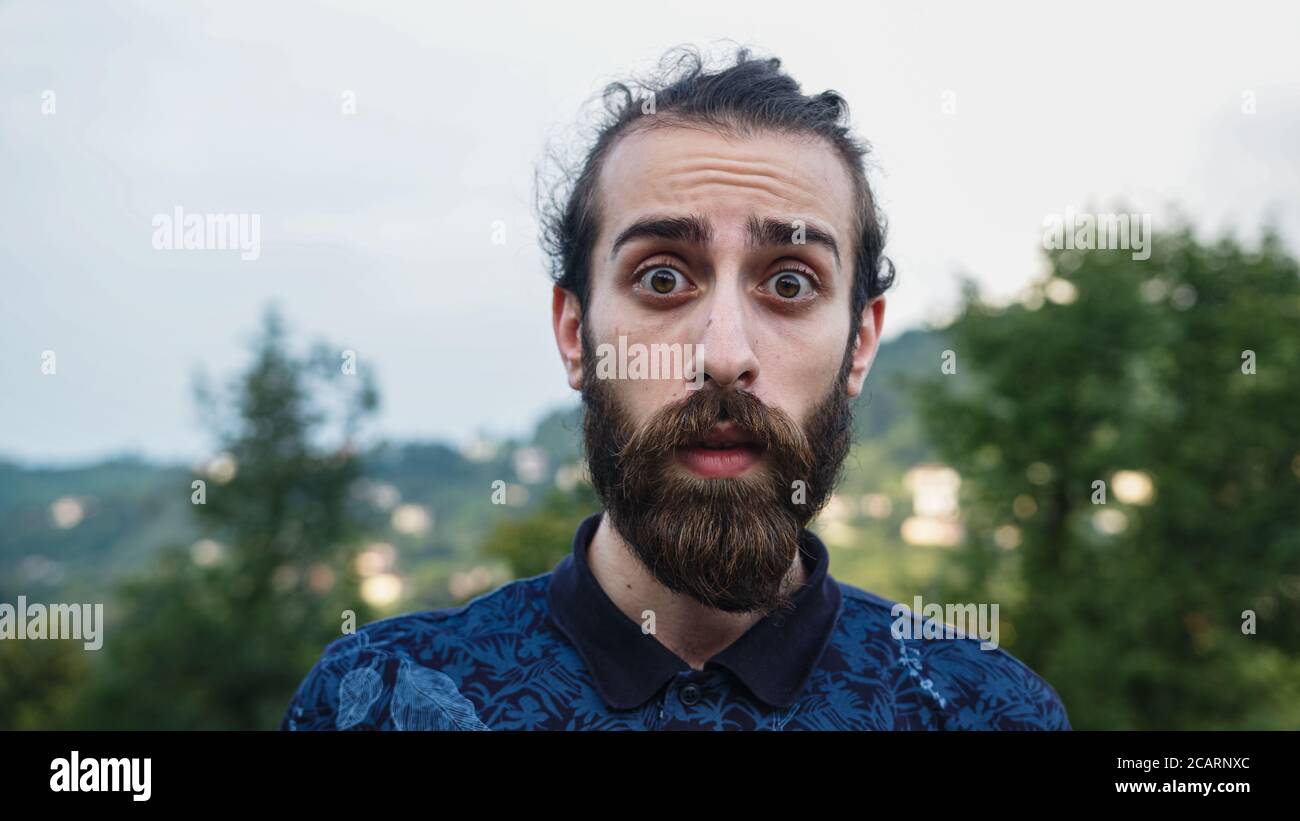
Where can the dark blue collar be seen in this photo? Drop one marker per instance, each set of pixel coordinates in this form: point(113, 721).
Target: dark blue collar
point(774, 658)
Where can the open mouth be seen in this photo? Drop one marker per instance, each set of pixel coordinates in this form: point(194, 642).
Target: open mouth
point(723, 452)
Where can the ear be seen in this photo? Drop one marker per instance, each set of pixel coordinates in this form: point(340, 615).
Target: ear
point(864, 350)
point(566, 320)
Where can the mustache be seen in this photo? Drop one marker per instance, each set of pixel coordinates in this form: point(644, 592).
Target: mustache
point(685, 422)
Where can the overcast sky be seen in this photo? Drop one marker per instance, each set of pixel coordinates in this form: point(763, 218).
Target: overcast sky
point(376, 227)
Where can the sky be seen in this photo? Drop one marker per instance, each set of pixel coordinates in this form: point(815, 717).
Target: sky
point(377, 223)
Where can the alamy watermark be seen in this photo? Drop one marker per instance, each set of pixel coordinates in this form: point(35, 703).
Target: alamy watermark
point(658, 360)
point(179, 231)
point(77, 774)
point(1086, 232)
point(53, 621)
point(935, 621)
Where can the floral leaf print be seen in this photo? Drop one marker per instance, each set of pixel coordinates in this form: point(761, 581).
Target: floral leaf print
point(780, 717)
point(425, 699)
point(358, 690)
point(527, 716)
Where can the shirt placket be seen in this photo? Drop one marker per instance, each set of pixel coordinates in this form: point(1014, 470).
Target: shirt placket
point(686, 699)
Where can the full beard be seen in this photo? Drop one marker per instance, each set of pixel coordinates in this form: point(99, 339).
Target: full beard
point(728, 543)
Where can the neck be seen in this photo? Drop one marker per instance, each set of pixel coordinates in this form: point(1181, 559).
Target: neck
point(694, 632)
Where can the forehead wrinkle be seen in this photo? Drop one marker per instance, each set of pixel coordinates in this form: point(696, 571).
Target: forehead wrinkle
point(800, 156)
point(710, 181)
point(764, 176)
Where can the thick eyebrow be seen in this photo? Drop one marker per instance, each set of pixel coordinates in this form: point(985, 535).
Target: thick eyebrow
point(692, 229)
point(697, 230)
point(769, 231)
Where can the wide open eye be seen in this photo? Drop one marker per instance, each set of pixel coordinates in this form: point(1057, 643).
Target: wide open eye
point(663, 280)
point(790, 285)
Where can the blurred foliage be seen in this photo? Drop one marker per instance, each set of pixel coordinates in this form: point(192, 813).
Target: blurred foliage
point(535, 543)
point(223, 644)
point(1135, 614)
point(40, 682)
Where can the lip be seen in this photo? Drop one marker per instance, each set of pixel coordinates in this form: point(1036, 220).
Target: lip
point(724, 463)
point(737, 455)
point(725, 433)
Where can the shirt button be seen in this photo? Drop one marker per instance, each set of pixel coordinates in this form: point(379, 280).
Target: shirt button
point(690, 695)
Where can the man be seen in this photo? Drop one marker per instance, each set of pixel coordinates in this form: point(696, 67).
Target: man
point(726, 220)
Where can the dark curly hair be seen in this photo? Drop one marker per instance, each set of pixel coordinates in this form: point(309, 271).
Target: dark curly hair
point(751, 95)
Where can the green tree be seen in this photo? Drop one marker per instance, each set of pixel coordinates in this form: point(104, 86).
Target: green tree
point(39, 682)
point(222, 643)
point(536, 542)
point(1133, 609)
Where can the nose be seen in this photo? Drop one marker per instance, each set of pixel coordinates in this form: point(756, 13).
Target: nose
point(729, 359)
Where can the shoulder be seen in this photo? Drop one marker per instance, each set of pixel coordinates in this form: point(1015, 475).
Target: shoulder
point(405, 672)
point(963, 673)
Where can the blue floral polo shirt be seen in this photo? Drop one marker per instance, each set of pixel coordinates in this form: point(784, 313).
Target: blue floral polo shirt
point(553, 652)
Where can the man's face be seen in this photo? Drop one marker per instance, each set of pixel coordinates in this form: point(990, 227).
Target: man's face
point(742, 248)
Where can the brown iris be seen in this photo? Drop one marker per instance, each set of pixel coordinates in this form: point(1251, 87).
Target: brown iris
point(787, 285)
point(663, 281)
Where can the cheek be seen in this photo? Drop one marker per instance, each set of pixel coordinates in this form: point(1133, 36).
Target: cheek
point(799, 366)
point(639, 396)
point(642, 399)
